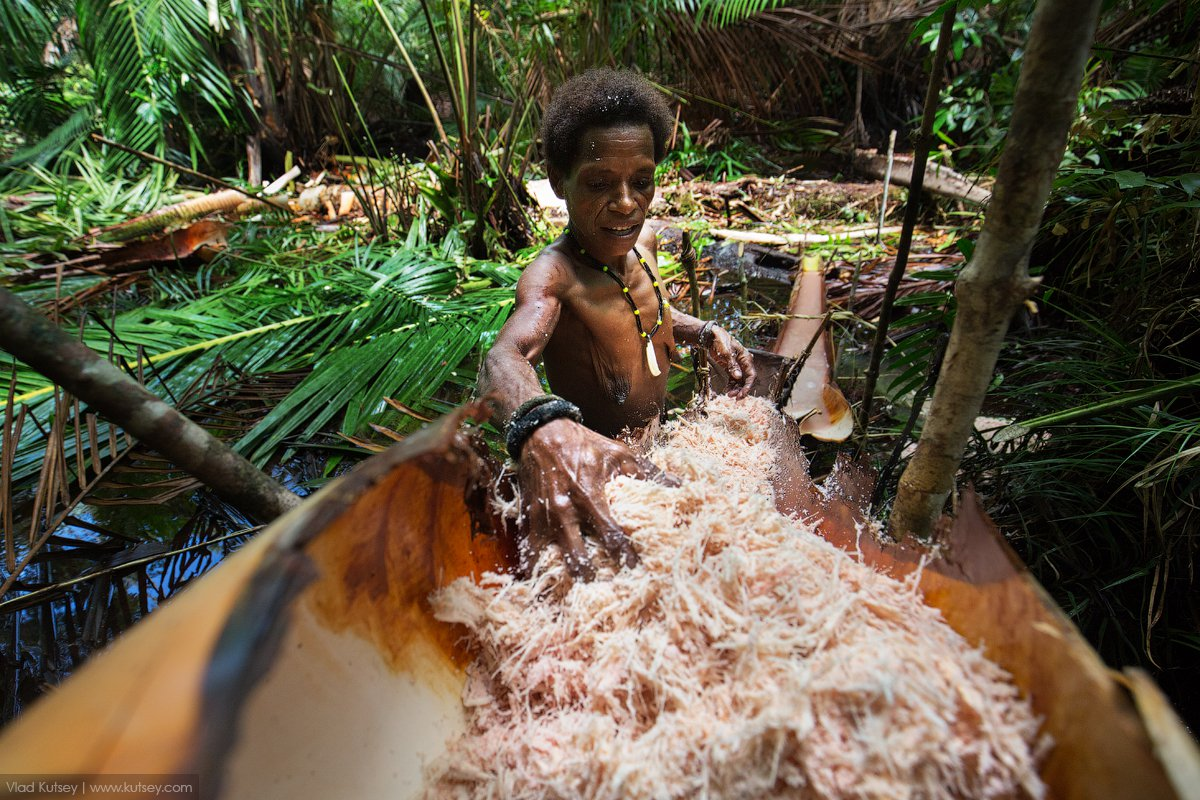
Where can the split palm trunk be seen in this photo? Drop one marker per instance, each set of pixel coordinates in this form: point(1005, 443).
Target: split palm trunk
point(997, 280)
point(186, 211)
point(41, 344)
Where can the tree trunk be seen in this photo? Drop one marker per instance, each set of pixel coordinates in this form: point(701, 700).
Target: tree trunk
point(44, 346)
point(997, 281)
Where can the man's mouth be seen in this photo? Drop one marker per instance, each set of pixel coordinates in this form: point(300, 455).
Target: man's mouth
point(627, 231)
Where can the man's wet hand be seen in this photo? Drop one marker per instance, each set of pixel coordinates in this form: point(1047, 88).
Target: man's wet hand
point(729, 354)
point(563, 470)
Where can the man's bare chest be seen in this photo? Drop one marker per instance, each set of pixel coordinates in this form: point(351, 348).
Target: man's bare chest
point(601, 318)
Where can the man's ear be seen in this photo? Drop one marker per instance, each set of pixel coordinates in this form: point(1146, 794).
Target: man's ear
point(556, 180)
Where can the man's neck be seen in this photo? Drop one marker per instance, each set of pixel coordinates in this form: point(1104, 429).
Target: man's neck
point(627, 266)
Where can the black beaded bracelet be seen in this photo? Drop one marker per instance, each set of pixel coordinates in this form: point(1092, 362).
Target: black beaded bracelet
point(706, 332)
point(529, 405)
point(521, 428)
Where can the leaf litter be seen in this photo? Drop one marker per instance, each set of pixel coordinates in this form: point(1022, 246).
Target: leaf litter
point(744, 657)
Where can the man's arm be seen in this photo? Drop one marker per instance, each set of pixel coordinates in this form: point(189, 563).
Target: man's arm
point(725, 351)
point(508, 375)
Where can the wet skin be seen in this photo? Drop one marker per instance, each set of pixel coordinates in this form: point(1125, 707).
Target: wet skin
point(573, 318)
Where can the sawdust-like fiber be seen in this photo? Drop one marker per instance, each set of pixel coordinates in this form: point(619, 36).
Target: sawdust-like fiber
point(744, 657)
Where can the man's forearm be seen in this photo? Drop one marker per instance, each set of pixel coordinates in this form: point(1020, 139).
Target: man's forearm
point(509, 379)
point(686, 328)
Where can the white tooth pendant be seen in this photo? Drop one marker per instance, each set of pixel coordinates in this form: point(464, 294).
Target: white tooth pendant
point(652, 359)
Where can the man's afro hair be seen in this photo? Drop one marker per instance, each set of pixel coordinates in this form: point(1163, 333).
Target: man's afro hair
point(601, 97)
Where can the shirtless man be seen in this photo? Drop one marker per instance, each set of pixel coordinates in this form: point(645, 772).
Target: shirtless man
point(591, 309)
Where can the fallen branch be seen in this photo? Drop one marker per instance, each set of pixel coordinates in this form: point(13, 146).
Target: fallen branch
point(938, 179)
point(181, 213)
point(792, 239)
point(41, 344)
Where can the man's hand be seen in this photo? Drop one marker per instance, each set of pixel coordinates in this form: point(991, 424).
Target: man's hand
point(729, 354)
point(563, 469)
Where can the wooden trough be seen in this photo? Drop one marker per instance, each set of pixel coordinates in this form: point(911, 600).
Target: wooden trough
point(308, 665)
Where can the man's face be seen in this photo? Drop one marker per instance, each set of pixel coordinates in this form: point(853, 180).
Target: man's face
point(609, 188)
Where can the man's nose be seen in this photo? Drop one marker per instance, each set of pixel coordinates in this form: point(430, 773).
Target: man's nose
point(623, 201)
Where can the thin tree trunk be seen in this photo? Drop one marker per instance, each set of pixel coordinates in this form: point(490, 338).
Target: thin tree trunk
point(262, 110)
point(997, 281)
point(48, 349)
point(911, 209)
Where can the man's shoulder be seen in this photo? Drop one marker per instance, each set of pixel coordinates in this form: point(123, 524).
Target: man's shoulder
point(551, 269)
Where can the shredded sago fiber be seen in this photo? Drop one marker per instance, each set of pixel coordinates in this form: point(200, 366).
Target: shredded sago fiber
point(744, 657)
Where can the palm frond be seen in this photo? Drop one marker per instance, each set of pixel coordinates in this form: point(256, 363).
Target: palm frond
point(1106, 463)
point(914, 340)
point(65, 136)
point(369, 321)
point(720, 12)
point(147, 56)
point(63, 202)
point(25, 27)
point(408, 364)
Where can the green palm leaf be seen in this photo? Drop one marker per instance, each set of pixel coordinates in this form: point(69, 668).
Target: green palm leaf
point(370, 321)
point(409, 364)
point(720, 12)
point(147, 56)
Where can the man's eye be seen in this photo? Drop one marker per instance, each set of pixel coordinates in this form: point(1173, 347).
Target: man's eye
point(597, 185)
point(643, 183)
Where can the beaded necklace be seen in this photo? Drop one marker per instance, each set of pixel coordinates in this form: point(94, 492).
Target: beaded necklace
point(595, 263)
